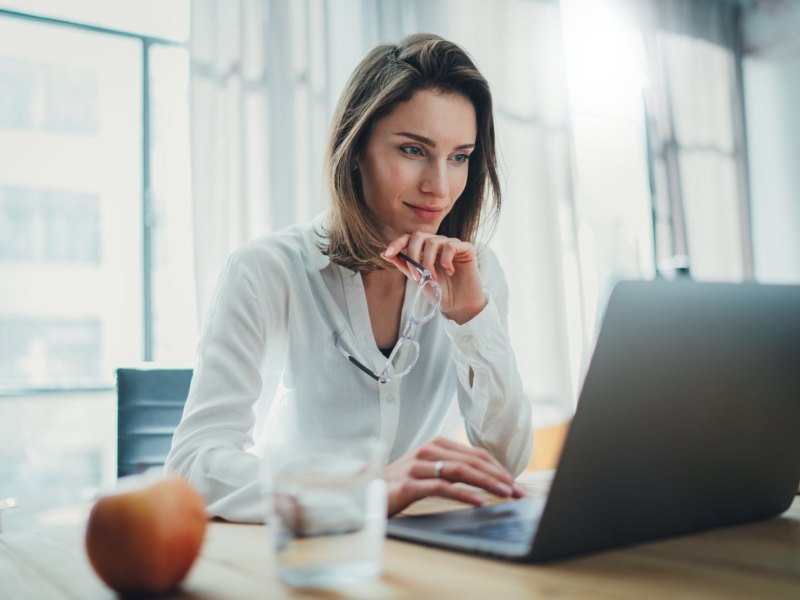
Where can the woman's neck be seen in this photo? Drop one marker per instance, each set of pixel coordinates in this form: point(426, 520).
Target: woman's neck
point(384, 279)
point(385, 291)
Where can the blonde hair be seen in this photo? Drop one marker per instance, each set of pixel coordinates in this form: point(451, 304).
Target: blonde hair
point(388, 76)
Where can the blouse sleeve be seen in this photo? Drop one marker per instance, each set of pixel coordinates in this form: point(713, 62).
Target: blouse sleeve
point(496, 412)
point(211, 445)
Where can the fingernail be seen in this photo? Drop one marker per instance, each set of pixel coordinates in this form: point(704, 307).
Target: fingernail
point(504, 489)
point(389, 251)
point(519, 491)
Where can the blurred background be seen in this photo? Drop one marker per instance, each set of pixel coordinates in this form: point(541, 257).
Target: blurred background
point(142, 141)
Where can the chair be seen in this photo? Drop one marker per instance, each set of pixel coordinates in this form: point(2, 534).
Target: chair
point(149, 408)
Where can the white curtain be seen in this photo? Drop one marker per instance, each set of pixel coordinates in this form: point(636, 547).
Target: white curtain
point(265, 76)
point(258, 107)
point(577, 211)
point(228, 141)
point(697, 134)
point(771, 74)
point(518, 45)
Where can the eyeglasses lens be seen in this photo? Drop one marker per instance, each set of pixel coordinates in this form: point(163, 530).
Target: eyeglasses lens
point(405, 356)
point(426, 301)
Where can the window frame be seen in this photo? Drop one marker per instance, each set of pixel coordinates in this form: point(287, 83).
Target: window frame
point(148, 222)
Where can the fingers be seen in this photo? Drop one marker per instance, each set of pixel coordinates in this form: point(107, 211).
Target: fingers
point(395, 246)
point(432, 251)
point(455, 470)
point(485, 458)
point(475, 455)
point(445, 489)
point(438, 467)
point(452, 263)
point(402, 266)
point(465, 464)
point(446, 258)
point(411, 490)
point(427, 250)
point(391, 255)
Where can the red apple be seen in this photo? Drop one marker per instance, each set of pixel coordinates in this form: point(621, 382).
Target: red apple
point(146, 541)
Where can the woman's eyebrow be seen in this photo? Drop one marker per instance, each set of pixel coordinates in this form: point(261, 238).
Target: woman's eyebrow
point(429, 142)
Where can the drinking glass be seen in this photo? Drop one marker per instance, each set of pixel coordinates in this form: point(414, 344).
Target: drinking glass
point(326, 510)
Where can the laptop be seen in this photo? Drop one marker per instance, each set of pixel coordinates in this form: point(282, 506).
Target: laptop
point(688, 419)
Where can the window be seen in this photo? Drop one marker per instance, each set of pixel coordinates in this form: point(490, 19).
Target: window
point(94, 197)
point(613, 224)
point(167, 19)
point(95, 244)
point(706, 152)
point(49, 226)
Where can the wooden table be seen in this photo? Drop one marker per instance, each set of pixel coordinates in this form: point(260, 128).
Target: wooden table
point(758, 560)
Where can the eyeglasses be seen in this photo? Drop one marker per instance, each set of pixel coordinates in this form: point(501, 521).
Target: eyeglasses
point(405, 353)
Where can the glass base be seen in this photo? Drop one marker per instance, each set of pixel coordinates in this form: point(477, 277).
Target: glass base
point(334, 575)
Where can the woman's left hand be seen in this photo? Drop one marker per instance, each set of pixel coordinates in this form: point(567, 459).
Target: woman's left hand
point(452, 263)
point(438, 467)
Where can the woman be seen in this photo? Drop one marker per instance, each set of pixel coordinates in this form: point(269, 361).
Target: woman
point(383, 309)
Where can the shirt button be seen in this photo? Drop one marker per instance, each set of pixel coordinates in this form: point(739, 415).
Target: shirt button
point(391, 397)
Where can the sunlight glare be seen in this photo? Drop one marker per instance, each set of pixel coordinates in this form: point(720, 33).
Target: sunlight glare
point(605, 58)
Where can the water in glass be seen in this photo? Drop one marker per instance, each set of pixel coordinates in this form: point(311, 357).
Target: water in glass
point(327, 514)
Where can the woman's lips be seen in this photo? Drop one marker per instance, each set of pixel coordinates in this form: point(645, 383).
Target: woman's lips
point(427, 213)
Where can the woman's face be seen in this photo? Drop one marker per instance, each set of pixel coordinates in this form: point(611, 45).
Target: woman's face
point(415, 163)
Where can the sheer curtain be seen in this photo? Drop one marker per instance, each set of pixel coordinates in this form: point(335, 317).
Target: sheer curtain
point(519, 47)
point(265, 77)
point(771, 66)
point(604, 175)
point(258, 104)
point(697, 134)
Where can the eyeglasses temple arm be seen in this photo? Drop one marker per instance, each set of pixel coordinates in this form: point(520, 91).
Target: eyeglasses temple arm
point(351, 359)
point(363, 368)
point(408, 259)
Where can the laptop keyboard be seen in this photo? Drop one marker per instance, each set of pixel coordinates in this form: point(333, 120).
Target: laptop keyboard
point(505, 530)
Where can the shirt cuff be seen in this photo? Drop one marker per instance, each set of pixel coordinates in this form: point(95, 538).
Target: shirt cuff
point(482, 336)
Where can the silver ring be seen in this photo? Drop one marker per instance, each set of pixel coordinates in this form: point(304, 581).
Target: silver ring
point(437, 468)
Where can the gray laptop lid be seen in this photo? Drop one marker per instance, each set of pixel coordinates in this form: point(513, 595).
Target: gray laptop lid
point(689, 418)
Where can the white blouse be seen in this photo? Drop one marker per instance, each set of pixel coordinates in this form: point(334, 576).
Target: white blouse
point(277, 305)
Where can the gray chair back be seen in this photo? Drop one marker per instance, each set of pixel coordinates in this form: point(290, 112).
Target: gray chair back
point(149, 408)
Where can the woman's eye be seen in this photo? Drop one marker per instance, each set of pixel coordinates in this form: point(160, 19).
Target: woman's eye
point(460, 158)
point(411, 150)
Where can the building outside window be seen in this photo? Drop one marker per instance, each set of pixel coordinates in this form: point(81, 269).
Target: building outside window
point(95, 232)
point(94, 217)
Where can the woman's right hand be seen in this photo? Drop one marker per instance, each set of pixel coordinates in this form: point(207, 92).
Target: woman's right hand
point(415, 476)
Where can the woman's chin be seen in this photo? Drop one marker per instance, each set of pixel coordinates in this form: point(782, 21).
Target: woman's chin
point(429, 227)
point(392, 233)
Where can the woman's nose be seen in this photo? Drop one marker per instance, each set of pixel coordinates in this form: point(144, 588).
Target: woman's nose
point(435, 180)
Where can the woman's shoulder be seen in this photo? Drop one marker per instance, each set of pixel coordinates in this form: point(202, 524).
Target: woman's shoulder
point(295, 246)
point(487, 259)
